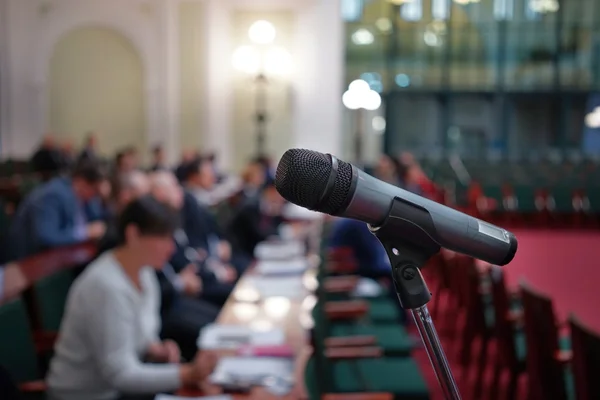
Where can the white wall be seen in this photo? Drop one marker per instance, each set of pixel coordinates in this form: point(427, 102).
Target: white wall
point(152, 26)
point(34, 29)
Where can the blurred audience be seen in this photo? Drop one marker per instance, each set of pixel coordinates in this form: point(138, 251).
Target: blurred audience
point(388, 170)
point(63, 211)
point(109, 344)
point(158, 159)
point(198, 242)
point(256, 220)
point(90, 148)
point(417, 177)
point(47, 161)
point(254, 179)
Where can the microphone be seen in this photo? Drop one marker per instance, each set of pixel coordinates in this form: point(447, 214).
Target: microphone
point(321, 182)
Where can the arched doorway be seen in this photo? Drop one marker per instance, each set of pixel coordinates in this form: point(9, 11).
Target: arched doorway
point(96, 83)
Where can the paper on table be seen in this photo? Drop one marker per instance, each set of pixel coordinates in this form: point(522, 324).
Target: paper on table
point(214, 336)
point(366, 288)
point(293, 211)
point(170, 397)
point(251, 370)
point(290, 287)
point(282, 267)
point(279, 250)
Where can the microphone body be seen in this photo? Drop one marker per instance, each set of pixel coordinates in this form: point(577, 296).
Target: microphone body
point(321, 182)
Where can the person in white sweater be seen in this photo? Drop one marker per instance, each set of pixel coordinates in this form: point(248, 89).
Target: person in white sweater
point(108, 346)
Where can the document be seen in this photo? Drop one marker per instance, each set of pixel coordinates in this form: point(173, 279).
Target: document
point(214, 337)
point(252, 370)
point(280, 250)
point(291, 266)
point(290, 287)
point(367, 288)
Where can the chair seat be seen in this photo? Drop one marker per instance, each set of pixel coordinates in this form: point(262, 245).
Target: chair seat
point(383, 310)
point(401, 377)
point(564, 343)
point(393, 339)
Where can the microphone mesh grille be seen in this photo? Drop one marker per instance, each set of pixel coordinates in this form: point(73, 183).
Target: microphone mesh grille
point(302, 177)
point(341, 188)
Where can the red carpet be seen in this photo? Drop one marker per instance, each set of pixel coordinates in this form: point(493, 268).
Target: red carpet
point(561, 264)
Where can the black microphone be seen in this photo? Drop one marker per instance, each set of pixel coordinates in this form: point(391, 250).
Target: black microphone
point(321, 182)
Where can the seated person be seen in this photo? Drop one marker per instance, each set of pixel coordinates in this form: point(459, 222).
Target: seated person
point(373, 261)
point(12, 281)
point(254, 179)
point(206, 235)
point(256, 220)
point(202, 181)
point(108, 345)
point(195, 244)
point(182, 316)
point(63, 211)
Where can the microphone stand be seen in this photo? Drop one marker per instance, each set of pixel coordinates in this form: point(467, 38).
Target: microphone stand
point(409, 248)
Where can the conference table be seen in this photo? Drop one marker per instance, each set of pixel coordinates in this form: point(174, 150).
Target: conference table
point(292, 315)
point(294, 322)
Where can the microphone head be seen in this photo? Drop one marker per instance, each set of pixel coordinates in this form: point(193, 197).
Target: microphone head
point(303, 178)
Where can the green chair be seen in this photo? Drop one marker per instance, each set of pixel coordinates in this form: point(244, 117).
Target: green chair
point(17, 349)
point(392, 338)
point(382, 308)
point(51, 296)
point(525, 195)
point(563, 199)
point(327, 374)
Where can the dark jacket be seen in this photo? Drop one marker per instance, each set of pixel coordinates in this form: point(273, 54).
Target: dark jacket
point(48, 218)
point(249, 226)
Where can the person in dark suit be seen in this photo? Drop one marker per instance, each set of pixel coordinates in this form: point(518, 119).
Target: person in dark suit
point(158, 159)
point(257, 220)
point(195, 237)
point(47, 160)
point(198, 176)
point(63, 211)
point(90, 151)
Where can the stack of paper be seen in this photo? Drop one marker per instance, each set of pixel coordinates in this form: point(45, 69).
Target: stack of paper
point(293, 266)
point(215, 337)
point(367, 288)
point(294, 212)
point(252, 370)
point(290, 287)
point(279, 250)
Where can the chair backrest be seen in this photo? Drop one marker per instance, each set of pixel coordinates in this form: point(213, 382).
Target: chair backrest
point(586, 360)
point(51, 297)
point(474, 301)
point(17, 350)
point(505, 329)
point(545, 373)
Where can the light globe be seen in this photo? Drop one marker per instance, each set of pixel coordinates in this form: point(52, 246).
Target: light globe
point(278, 61)
point(246, 59)
point(262, 32)
point(352, 99)
point(359, 86)
point(371, 100)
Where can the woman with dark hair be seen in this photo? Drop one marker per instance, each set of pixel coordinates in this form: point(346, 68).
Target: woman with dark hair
point(109, 345)
point(388, 170)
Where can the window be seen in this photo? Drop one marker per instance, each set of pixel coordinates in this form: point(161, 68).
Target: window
point(352, 10)
point(412, 11)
